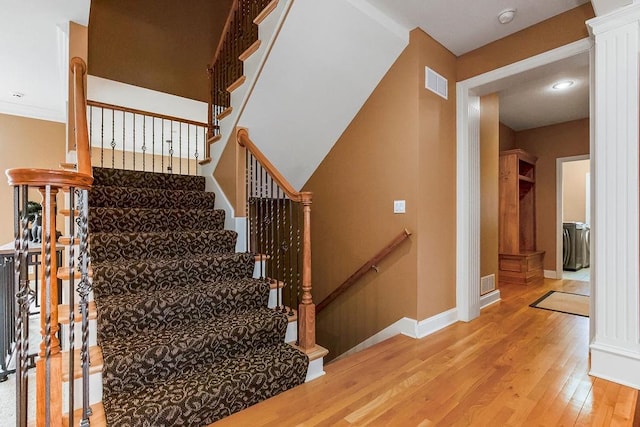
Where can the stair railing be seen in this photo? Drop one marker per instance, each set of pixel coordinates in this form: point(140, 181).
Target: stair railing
point(372, 264)
point(49, 366)
point(238, 34)
point(128, 138)
point(278, 230)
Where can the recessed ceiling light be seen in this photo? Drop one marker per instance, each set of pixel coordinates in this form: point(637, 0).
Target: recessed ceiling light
point(16, 94)
point(563, 85)
point(506, 16)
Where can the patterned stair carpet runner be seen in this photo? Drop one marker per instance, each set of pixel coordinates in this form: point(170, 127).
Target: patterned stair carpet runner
point(184, 329)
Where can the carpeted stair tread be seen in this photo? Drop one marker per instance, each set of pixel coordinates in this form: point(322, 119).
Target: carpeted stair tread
point(138, 179)
point(155, 355)
point(150, 198)
point(122, 220)
point(118, 278)
point(129, 314)
point(211, 392)
point(110, 247)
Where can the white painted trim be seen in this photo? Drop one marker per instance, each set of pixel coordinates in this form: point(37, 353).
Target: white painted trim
point(551, 274)
point(467, 212)
point(491, 298)
point(409, 327)
point(433, 324)
point(33, 112)
point(559, 205)
point(614, 364)
point(222, 202)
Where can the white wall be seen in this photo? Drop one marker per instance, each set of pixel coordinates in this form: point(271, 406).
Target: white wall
point(314, 83)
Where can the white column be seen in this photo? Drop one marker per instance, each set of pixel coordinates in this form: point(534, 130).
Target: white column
point(468, 206)
point(615, 347)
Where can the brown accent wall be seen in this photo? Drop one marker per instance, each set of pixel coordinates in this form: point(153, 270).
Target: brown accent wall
point(374, 162)
point(78, 46)
point(557, 31)
point(163, 45)
point(436, 234)
point(30, 143)
point(507, 138)
point(549, 143)
point(489, 147)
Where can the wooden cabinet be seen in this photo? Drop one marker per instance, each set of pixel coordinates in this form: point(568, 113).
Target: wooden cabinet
point(518, 259)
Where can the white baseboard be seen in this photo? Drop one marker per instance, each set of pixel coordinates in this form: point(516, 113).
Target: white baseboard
point(490, 298)
point(551, 274)
point(409, 327)
point(614, 364)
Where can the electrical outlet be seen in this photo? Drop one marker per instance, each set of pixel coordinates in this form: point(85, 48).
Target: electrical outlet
point(399, 206)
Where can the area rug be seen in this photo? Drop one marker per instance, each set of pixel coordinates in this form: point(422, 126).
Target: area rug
point(564, 302)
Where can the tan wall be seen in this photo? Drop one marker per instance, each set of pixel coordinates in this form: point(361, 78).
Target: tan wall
point(548, 143)
point(28, 143)
point(546, 35)
point(436, 234)
point(489, 147)
point(373, 163)
point(507, 138)
point(574, 175)
point(78, 46)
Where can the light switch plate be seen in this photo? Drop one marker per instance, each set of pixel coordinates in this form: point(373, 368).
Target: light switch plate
point(399, 206)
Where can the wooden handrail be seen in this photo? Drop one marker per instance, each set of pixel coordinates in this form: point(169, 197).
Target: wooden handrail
point(144, 113)
point(367, 266)
point(297, 196)
point(225, 29)
point(81, 130)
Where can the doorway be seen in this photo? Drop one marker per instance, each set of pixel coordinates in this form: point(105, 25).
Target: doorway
point(573, 220)
point(468, 207)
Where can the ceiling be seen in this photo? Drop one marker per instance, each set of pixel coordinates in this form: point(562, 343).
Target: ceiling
point(161, 46)
point(30, 54)
point(526, 101)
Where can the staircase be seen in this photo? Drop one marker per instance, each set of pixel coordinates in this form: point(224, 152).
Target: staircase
point(185, 332)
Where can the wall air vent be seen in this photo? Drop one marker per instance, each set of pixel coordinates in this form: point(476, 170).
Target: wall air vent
point(436, 83)
point(487, 284)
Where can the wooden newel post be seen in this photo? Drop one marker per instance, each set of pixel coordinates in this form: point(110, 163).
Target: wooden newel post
point(306, 309)
point(49, 392)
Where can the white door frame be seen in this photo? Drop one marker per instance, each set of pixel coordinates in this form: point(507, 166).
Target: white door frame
point(468, 175)
point(560, 161)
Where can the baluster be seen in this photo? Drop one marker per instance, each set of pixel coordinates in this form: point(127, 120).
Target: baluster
point(134, 141)
point(123, 139)
point(247, 215)
point(21, 232)
point(102, 137)
point(91, 132)
point(196, 154)
point(113, 139)
point(180, 141)
point(144, 143)
point(84, 288)
point(292, 285)
point(162, 145)
point(49, 366)
point(261, 225)
point(71, 302)
point(189, 151)
point(153, 144)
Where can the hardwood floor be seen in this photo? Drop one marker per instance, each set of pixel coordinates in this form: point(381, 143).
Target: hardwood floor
point(513, 366)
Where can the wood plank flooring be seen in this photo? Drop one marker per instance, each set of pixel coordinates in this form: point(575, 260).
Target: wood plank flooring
point(513, 366)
